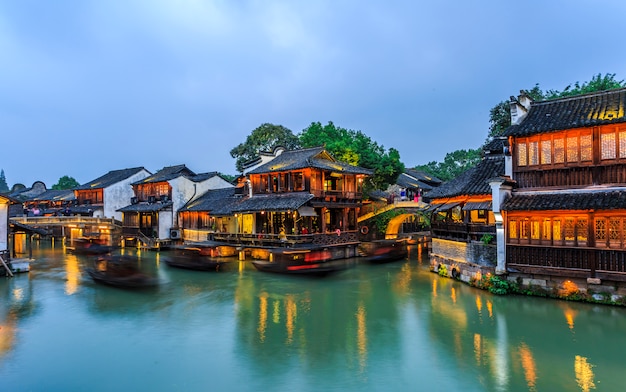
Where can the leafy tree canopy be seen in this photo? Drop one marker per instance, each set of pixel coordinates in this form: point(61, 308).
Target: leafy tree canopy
point(453, 164)
point(500, 115)
point(66, 182)
point(355, 148)
point(4, 187)
point(264, 138)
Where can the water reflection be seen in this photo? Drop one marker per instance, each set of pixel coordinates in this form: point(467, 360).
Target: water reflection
point(584, 374)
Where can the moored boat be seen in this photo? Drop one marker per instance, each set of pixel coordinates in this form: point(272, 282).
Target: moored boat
point(385, 251)
point(121, 271)
point(88, 246)
point(197, 258)
point(302, 261)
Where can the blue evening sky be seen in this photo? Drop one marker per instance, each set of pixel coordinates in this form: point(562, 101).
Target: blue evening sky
point(92, 86)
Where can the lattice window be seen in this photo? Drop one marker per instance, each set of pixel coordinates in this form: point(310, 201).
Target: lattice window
point(600, 230)
point(572, 149)
point(534, 229)
point(559, 150)
point(622, 144)
point(512, 229)
point(581, 231)
point(607, 146)
point(523, 228)
point(586, 150)
point(546, 232)
point(522, 157)
point(569, 229)
point(533, 153)
point(615, 229)
point(557, 234)
point(546, 152)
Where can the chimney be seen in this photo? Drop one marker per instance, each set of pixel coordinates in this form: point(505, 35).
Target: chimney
point(519, 107)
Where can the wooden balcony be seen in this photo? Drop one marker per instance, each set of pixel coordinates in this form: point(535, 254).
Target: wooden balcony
point(568, 261)
point(464, 232)
point(575, 176)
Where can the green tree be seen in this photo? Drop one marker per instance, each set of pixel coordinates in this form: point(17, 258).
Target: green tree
point(264, 138)
point(453, 164)
point(4, 187)
point(500, 115)
point(355, 148)
point(66, 182)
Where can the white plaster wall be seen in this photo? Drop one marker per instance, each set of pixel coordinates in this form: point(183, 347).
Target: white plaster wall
point(165, 224)
point(185, 190)
point(119, 194)
point(4, 224)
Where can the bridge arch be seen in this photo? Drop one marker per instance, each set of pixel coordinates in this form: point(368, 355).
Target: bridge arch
point(394, 225)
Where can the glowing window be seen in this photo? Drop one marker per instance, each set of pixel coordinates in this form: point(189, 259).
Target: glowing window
point(522, 159)
point(600, 231)
point(569, 229)
point(513, 229)
point(533, 153)
point(559, 151)
point(607, 146)
point(546, 152)
point(546, 232)
point(586, 151)
point(615, 226)
point(556, 230)
point(572, 149)
point(622, 144)
point(581, 230)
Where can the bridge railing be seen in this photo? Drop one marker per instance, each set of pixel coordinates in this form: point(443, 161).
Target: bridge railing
point(65, 220)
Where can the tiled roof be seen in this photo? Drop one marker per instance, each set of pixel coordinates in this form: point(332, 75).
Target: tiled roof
point(599, 108)
point(55, 195)
point(407, 181)
point(112, 177)
point(315, 157)
point(218, 202)
point(273, 202)
point(472, 182)
point(588, 200)
point(167, 173)
point(423, 177)
point(146, 207)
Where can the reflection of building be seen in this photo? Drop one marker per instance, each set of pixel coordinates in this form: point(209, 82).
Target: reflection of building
point(565, 218)
point(5, 202)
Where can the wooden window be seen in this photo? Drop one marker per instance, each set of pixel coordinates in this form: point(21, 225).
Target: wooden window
point(607, 146)
point(298, 181)
point(557, 233)
point(572, 149)
point(586, 148)
point(522, 157)
point(524, 229)
point(513, 229)
point(534, 229)
point(622, 144)
point(533, 153)
point(546, 152)
point(569, 229)
point(559, 150)
point(615, 232)
point(581, 231)
point(546, 232)
point(600, 231)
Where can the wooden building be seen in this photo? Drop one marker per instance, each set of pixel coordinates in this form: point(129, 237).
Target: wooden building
point(151, 213)
point(566, 215)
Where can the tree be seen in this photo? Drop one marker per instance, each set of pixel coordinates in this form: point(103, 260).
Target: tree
point(355, 148)
point(453, 164)
point(4, 187)
point(500, 115)
point(264, 138)
point(66, 182)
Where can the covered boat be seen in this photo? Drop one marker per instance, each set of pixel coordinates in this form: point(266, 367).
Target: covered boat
point(88, 246)
point(121, 271)
point(198, 258)
point(385, 251)
point(300, 261)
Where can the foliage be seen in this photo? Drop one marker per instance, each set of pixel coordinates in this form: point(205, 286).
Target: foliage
point(443, 270)
point(66, 182)
point(4, 187)
point(495, 285)
point(264, 138)
point(486, 239)
point(355, 148)
point(500, 115)
point(381, 221)
point(228, 177)
point(454, 164)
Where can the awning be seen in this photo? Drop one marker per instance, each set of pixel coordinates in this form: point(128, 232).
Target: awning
point(477, 205)
point(447, 206)
point(307, 211)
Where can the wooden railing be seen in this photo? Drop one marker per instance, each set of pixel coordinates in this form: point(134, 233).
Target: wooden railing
point(65, 220)
point(568, 261)
point(571, 176)
point(345, 237)
point(462, 231)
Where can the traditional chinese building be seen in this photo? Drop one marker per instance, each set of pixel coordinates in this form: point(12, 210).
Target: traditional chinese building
point(565, 217)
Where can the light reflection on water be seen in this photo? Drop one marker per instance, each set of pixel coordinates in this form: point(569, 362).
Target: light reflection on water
point(370, 328)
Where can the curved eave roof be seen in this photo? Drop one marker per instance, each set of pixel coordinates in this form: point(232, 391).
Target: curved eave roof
point(473, 182)
point(580, 201)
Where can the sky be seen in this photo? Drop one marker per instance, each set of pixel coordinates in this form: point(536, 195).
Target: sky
point(92, 86)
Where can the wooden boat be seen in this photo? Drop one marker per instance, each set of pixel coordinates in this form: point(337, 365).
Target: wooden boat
point(197, 258)
point(385, 251)
point(121, 271)
point(88, 246)
point(302, 261)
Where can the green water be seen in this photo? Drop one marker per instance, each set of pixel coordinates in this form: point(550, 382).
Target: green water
point(392, 327)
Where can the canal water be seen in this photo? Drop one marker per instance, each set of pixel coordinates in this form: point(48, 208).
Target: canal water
point(391, 327)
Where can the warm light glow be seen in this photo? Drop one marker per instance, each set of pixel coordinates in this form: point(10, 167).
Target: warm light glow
point(434, 288)
point(453, 295)
point(72, 275)
point(490, 308)
point(362, 335)
point(291, 313)
point(529, 366)
point(584, 374)
point(478, 348)
point(479, 304)
point(262, 317)
point(569, 318)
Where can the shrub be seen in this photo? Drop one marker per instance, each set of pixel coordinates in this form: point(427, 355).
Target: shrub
point(443, 270)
